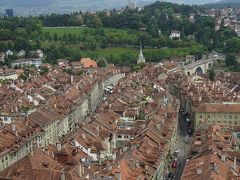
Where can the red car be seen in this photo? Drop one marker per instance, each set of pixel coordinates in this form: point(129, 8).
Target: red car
point(174, 164)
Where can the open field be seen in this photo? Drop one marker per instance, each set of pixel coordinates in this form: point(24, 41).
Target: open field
point(84, 31)
point(120, 44)
point(150, 54)
point(115, 51)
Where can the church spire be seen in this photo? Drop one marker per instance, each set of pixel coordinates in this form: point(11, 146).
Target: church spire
point(141, 58)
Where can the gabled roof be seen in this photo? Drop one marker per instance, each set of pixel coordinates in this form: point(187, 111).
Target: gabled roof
point(219, 108)
point(88, 63)
point(44, 116)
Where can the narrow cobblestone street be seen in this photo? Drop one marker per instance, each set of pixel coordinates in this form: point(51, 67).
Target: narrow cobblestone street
point(183, 146)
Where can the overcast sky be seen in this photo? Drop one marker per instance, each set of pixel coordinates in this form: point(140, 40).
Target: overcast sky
point(32, 2)
point(84, 4)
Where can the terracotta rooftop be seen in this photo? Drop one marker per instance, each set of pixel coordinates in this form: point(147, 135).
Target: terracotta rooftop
point(30, 166)
point(43, 116)
point(88, 63)
point(219, 107)
point(210, 166)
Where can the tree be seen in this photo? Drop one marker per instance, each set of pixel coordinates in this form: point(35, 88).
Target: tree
point(21, 43)
point(138, 67)
point(44, 70)
point(231, 60)
point(55, 37)
point(38, 44)
point(211, 74)
point(77, 56)
point(233, 45)
point(102, 63)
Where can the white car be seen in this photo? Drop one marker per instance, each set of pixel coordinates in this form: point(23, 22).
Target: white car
point(176, 152)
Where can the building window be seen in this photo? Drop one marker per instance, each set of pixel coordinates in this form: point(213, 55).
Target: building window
point(236, 117)
point(126, 137)
point(230, 122)
point(235, 122)
point(230, 116)
point(200, 116)
point(119, 136)
point(208, 116)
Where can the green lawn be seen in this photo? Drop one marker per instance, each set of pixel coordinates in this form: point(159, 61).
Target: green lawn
point(115, 51)
point(61, 31)
point(150, 54)
point(115, 35)
point(81, 31)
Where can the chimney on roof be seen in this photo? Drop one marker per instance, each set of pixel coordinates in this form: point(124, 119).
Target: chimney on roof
point(31, 153)
point(52, 154)
point(83, 168)
point(14, 130)
point(77, 87)
point(97, 129)
point(84, 136)
point(80, 170)
point(132, 163)
point(13, 127)
point(214, 166)
point(223, 157)
point(199, 171)
point(59, 146)
point(109, 166)
point(158, 126)
point(235, 164)
point(71, 79)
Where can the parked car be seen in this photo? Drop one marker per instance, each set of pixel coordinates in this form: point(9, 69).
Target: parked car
point(190, 131)
point(174, 163)
point(170, 176)
point(176, 152)
point(185, 114)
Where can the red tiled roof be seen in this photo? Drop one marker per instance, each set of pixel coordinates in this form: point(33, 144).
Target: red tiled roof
point(88, 63)
point(218, 107)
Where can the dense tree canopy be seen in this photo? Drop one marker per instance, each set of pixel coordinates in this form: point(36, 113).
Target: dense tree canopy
point(121, 29)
